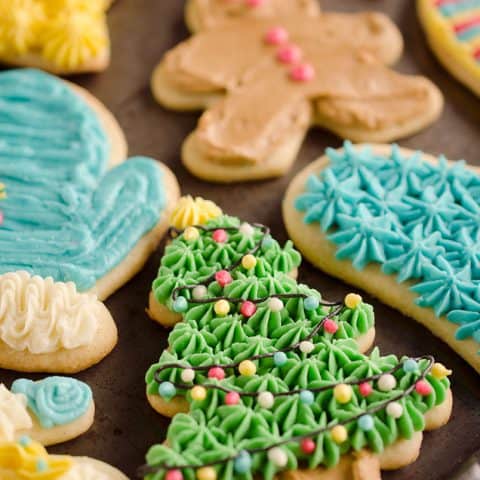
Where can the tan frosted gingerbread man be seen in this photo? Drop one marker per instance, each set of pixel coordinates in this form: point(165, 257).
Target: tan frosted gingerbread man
point(265, 82)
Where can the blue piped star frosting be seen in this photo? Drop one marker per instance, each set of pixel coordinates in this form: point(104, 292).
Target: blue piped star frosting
point(418, 220)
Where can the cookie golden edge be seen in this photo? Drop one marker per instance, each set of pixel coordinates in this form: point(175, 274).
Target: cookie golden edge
point(317, 249)
point(447, 48)
point(60, 433)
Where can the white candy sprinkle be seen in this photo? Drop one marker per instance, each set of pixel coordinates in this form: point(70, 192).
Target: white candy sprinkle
point(187, 375)
point(306, 347)
point(266, 400)
point(246, 229)
point(275, 304)
point(386, 382)
point(394, 410)
point(278, 457)
point(200, 291)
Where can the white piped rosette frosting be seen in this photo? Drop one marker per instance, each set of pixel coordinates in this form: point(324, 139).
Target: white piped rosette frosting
point(43, 316)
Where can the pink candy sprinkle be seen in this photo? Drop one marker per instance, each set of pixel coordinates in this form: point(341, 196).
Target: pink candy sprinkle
point(302, 73)
point(220, 235)
point(223, 278)
point(423, 388)
point(308, 446)
point(216, 372)
point(248, 309)
point(174, 475)
point(289, 54)
point(330, 326)
point(232, 398)
point(1, 217)
point(276, 36)
point(365, 389)
point(254, 3)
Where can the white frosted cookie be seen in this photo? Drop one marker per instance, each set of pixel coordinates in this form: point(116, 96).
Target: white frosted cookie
point(61, 36)
point(27, 459)
point(73, 208)
point(50, 411)
point(285, 75)
point(401, 225)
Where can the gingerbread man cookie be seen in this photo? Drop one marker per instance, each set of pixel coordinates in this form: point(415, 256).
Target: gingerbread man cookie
point(27, 459)
point(205, 14)
point(50, 411)
point(404, 226)
point(265, 82)
point(61, 36)
point(453, 32)
point(265, 377)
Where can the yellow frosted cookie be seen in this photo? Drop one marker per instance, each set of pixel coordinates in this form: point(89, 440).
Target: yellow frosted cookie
point(61, 36)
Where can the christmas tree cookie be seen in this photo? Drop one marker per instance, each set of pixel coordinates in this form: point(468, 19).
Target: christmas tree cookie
point(404, 226)
point(265, 377)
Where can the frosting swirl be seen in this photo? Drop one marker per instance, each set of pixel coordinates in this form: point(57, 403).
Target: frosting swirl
point(42, 316)
point(55, 400)
point(193, 211)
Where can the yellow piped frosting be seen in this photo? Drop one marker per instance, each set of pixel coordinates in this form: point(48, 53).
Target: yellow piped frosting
point(193, 211)
point(73, 38)
point(3, 191)
point(20, 23)
point(28, 460)
point(67, 33)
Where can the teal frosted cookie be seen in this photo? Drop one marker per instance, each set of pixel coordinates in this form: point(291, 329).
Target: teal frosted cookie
point(263, 375)
point(65, 214)
point(50, 411)
point(402, 225)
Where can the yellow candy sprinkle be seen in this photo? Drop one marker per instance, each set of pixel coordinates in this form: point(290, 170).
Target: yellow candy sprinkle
point(247, 368)
point(206, 473)
point(190, 234)
point(339, 434)
point(353, 300)
point(198, 393)
point(439, 371)
point(343, 393)
point(249, 262)
point(222, 307)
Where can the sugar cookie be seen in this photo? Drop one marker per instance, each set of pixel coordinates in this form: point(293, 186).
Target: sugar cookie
point(50, 411)
point(26, 459)
point(453, 32)
point(403, 226)
point(65, 215)
point(264, 377)
point(265, 82)
point(205, 14)
point(47, 326)
point(60, 36)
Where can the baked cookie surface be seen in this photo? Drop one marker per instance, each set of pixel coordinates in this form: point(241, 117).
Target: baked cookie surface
point(401, 225)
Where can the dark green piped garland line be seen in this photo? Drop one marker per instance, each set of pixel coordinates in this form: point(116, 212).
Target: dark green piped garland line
point(366, 416)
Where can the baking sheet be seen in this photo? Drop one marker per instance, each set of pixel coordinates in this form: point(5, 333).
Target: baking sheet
point(125, 425)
